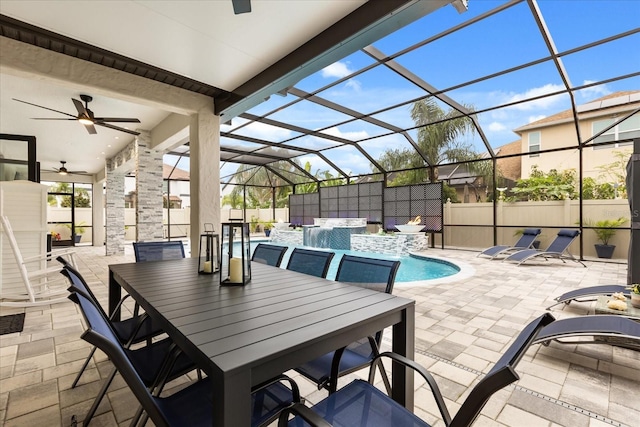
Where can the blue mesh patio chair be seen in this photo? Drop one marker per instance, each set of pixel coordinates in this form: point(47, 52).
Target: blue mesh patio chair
point(269, 254)
point(378, 274)
point(361, 403)
point(129, 331)
point(191, 406)
point(558, 249)
point(590, 293)
point(525, 241)
point(315, 263)
point(602, 328)
point(158, 251)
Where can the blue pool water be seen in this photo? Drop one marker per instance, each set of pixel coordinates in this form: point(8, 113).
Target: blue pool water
point(412, 268)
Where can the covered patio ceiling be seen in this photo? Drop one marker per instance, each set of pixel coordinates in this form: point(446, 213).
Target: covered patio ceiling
point(501, 64)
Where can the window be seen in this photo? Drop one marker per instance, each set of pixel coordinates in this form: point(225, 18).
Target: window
point(625, 130)
point(534, 143)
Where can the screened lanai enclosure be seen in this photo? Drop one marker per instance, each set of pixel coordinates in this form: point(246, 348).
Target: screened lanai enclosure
point(525, 111)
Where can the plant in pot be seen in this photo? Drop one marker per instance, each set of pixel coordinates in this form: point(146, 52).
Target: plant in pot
point(635, 295)
point(267, 226)
point(79, 230)
point(605, 229)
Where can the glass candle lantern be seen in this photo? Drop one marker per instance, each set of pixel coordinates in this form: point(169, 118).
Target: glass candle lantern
point(209, 252)
point(235, 268)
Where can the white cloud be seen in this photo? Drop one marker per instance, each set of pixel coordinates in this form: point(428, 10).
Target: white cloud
point(496, 127)
point(337, 69)
point(593, 92)
point(542, 103)
point(267, 132)
point(354, 84)
point(352, 136)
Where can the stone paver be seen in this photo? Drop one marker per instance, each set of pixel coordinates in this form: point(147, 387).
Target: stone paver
point(462, 328)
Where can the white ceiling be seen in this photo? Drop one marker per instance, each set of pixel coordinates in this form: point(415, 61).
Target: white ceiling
point(202, 40)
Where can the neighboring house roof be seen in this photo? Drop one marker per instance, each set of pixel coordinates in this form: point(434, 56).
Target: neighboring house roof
point(510, 167)
point(615, 99)
point(178, 174)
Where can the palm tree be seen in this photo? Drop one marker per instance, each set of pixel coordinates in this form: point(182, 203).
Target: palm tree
point(439, 132)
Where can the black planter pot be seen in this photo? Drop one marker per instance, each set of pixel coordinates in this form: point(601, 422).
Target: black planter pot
point(604, 251)
point(77, 238)
point(267, 232)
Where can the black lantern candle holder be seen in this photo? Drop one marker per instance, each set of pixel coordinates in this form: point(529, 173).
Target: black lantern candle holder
point(235, 268)
point(209, 252)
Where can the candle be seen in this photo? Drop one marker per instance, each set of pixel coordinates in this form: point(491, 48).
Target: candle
point(235, 270)
point(207, 266)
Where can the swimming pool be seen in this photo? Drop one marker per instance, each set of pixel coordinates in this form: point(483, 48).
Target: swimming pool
point(412, 268)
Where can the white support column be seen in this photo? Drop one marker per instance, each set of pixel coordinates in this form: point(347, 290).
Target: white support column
point(98, 237)
point(204, 148)
point(148, 189)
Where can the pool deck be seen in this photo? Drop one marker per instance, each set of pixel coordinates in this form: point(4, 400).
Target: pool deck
point(462, 326)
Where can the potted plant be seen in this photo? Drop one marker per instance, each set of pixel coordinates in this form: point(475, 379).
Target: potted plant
point(267, 226)
point(605, 229)
point(79, 230)
point(635, 295)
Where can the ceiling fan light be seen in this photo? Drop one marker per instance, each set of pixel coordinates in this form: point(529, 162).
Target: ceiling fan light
point(62, 171)
point(85, 121)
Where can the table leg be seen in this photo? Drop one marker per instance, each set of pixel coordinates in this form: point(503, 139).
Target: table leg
point(232, 400)
point(115, 294)
point(404, 344)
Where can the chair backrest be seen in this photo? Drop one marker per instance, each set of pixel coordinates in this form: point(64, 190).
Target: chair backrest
point(24, 274)
point(501, 375)
point(370, 273)
point(527, 238)
point(269, 254)
point(562, 241)
point(315, 263)
point(158, 251)
point(79, 285)
point(100, 334)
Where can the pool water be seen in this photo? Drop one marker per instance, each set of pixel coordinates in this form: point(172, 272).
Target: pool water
point(412, 268)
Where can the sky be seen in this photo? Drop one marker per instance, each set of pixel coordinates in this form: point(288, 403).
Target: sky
point(503, 41)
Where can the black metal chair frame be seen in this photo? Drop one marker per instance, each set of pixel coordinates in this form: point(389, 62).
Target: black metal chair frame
point(501, 375)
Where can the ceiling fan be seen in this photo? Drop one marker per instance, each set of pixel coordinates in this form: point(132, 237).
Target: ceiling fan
point(62, 170)
point(87, 118)
point(241, 6)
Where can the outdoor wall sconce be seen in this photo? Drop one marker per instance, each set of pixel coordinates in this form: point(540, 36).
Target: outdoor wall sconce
point(209, 252)
point(235, 268)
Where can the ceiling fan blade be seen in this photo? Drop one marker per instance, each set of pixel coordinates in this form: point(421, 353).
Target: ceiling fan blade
point(241, 6)
point(91, 129)
point(115, 120)
point(81, 110)
point(51, 118)
point(46, 108)
point(107, 125)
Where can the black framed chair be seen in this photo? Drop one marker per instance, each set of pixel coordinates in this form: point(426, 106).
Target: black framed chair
point(269, 254)
point(129, 331)
point(158, 251)
point(191, 406)
point(315, 263)
point(371, 273)
point(361, 403)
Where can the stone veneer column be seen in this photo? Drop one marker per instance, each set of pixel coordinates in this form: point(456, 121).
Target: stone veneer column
point(148, 190)
point(204, 149)
point(114, 199)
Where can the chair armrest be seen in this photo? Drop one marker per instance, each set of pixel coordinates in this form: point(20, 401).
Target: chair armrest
point(48, 255)
point(303, 412)
point(435, 390)
point(295, 390)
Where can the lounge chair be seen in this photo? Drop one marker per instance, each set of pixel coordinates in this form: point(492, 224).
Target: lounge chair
point(524, 242)
point(619, 329)
point(558, 249)
point(590, 293)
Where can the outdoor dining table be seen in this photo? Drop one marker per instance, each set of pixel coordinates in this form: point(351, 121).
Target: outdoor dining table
point(242, 336)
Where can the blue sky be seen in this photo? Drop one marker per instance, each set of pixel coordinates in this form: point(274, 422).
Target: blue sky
point(508, 39)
